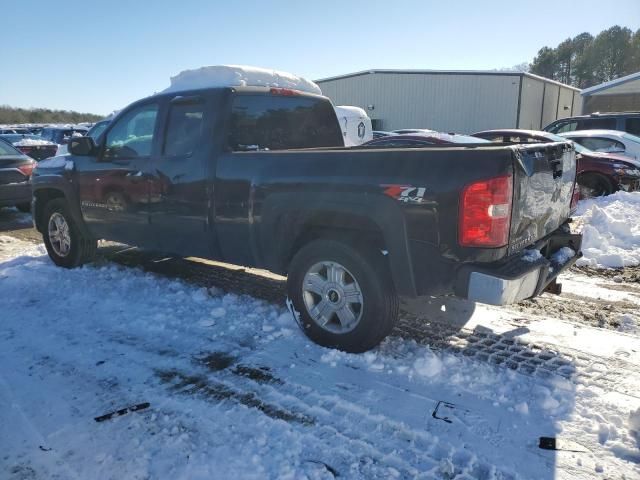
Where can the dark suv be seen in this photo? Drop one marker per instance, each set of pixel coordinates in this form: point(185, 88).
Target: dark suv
point(61, 135)
point(626, 122)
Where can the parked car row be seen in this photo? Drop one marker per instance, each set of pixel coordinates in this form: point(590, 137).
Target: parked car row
point(598, 173)
point(34, 146)
point(622, 121)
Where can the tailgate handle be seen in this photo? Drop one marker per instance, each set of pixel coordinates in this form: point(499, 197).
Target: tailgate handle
point(556, 166)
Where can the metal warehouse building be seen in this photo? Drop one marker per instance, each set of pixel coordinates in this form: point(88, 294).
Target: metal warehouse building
point(619, 95)
point(453, 101)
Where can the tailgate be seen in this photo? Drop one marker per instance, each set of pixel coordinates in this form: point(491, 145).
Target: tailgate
point(544, 176)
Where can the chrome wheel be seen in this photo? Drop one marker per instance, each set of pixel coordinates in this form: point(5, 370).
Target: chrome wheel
point(333, 297)
point(115, 202)
point(59, 235)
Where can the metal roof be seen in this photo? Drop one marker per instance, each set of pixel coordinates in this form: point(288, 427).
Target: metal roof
point(445, 72)
point(611, 83)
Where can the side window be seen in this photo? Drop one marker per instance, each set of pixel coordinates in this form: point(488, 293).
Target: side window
point(273, 122)
point(597, 124)
point(184, 127)
point(602, 144)
point(132, 135)
point(633, 126)
point(565, 127)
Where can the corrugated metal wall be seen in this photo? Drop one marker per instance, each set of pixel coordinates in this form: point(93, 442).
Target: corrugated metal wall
point(577, 103)
point(565, 103)
point(452, 101)
point(448, 102)
point(530, 103)
point(550, 103)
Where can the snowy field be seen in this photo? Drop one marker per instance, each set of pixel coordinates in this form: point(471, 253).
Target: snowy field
point(236, 391)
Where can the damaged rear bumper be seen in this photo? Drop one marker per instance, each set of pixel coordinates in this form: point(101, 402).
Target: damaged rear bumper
point(518, 277)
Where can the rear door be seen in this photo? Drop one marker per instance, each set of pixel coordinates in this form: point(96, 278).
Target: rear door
point(114, 187)
point(178, 196)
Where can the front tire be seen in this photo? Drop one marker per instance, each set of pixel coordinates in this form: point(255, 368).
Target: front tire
point(65, 244)
point(345, 297)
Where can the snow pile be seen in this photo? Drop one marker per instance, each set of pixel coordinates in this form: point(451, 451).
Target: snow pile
point(611, 231)
point(239, 76)
point(28, 142)
point(628, 323)
point(531, 255)
point(563, 255)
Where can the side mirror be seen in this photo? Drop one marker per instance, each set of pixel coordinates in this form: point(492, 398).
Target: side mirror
point(82, 146)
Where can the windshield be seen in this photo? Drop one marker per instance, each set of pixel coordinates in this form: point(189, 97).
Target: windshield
point(6, 149)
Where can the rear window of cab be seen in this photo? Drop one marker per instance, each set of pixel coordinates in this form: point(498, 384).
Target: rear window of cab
point(274, 122)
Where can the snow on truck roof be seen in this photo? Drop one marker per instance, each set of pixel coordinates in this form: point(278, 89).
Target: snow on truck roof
point(350, 111)
point(239, 76)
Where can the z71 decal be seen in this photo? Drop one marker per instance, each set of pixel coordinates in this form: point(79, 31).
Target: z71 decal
point(405, 193)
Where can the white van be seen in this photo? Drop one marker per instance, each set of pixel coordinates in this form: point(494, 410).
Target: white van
point(355, 124)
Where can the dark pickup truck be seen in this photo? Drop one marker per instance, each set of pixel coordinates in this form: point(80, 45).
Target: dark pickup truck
point(258, 177)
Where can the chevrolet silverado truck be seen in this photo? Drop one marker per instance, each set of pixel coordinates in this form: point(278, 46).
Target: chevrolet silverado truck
point(260, 177)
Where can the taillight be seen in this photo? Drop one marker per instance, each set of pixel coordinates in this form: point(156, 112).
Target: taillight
point(27, 169)
point(485, 213)
point(287, 92)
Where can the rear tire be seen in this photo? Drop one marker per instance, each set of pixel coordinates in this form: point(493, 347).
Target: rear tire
point(594, 185)
point(360, 303)
point(65, 243)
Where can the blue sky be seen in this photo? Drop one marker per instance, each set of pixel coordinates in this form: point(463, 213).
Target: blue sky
point(100, 56)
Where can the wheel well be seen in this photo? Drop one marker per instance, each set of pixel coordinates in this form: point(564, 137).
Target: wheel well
point(355, 230)
point(599, 175)
point(44, 196)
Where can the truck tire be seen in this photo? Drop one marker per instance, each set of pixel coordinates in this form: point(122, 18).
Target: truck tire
point(65, 243)
point(345, 297)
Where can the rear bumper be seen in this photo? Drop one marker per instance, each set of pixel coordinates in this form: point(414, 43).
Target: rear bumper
point(15, 193)
point(520, 276)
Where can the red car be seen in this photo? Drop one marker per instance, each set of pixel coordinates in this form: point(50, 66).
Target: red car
point(599, 173)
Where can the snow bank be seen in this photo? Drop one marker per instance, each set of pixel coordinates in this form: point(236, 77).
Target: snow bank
point(239, 76)
point(611, 232)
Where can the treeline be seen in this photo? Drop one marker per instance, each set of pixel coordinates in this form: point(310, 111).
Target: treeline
point(11, 115)
point(585, 60)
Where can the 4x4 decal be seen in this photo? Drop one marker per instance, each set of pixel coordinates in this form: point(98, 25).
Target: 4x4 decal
point(405, 193)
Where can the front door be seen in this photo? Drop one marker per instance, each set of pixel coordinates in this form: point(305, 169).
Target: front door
point(178, 199)
point(114, 188)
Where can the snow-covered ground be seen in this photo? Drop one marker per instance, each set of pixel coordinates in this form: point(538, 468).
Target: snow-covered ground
point(236, 391)
point(611, 229)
